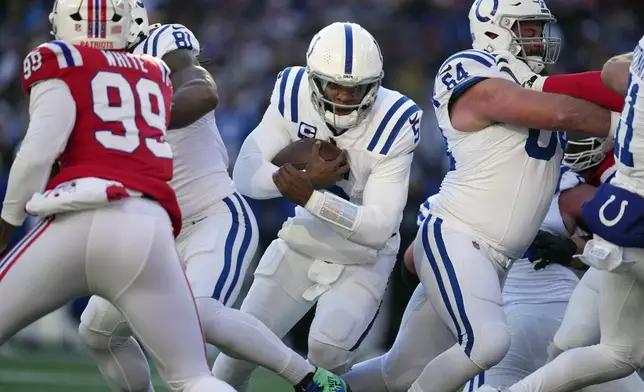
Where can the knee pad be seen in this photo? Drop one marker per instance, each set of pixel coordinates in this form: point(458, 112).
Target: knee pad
point(553, 351)
point(491, 344)
point(232, 371)
point(578, 335)
point(209, 309)
point(100, 341)
point(630, 355)
point(102, 325)
point(332, 358)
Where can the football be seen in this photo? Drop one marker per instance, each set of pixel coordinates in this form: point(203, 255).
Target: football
point(299, 152)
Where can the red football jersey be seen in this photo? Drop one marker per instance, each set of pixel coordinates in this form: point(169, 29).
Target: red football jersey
point(123, 106)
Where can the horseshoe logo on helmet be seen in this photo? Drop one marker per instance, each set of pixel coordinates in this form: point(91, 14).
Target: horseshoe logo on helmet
point(481, 18)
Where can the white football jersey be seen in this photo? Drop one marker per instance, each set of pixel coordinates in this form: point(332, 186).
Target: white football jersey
point(629, 137)
point(523, 284)
point(200, 177)
point(381, 147)
point(502, 178)
point(555, 283)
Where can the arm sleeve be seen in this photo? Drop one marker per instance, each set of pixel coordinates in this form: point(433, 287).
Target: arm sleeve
point(52, 117)
point(253, 170)
point(169, 38)
point(378, 218)
point(587, 86)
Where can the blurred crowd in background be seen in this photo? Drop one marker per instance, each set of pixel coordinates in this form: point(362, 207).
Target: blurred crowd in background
point(245, 43)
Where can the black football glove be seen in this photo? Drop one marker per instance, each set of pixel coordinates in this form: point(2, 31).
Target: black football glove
point(549, 248)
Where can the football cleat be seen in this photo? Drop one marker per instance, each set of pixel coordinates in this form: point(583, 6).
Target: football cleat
point(322, 381)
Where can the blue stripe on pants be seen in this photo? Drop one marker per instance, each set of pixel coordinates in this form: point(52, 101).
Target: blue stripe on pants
point(248, 235)
point(228, 250)
point(465, 336)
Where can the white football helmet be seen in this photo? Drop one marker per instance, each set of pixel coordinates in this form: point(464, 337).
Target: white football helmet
point(344, 54)
point(101, 24)
point(491, 23)
point(585, 153)
point(141, 28)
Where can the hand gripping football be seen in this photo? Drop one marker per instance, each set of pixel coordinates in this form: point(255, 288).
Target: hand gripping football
point(298, 153)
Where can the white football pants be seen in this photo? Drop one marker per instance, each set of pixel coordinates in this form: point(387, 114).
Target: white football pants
point(123, 252)
point(580, 326)
point(532, 327)
point(216, 251)
point(422, 337)
point(621, 349)
point(346, 307)
point(463, 279)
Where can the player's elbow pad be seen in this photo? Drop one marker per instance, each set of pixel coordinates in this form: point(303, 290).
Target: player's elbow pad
point(244, 171)
point(377, 236)
point(381, 239)
point(243, 177)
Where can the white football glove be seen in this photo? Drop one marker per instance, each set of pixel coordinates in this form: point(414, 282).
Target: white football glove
point(518, 70)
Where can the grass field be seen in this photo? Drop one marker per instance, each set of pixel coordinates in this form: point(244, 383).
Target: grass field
point(57, 371)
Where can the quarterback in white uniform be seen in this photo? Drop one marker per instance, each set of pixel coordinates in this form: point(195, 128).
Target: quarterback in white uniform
point(505, 167)
point(217, 242)
point(340, 247)
point(615, 217)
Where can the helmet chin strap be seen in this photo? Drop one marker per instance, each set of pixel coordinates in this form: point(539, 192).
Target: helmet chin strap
point(341, 123)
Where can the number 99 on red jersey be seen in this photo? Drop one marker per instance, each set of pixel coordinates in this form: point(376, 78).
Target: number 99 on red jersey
point(123, 106)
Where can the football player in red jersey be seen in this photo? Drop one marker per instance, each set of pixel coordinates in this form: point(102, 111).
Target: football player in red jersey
point(108, 215)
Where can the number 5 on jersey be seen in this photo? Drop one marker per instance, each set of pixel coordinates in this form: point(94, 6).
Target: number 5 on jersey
point(116, 100)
